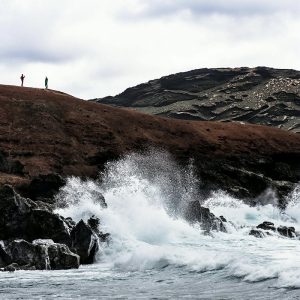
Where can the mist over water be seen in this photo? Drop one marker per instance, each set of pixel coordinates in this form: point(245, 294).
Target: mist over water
point(155, 253)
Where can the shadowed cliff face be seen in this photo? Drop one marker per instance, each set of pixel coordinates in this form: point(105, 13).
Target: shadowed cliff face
point(48, 132)
point(260, 96)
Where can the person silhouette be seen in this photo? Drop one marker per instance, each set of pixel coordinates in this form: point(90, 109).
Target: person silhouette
point(46, 82)
point(22, 79)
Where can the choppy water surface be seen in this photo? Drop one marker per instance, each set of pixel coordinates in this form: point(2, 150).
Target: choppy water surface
point(155, 254)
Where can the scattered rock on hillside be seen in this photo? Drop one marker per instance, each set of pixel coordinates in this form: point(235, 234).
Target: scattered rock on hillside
point(259, 95)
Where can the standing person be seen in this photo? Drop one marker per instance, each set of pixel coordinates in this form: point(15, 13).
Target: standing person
point(46, 82)
point(22, 79)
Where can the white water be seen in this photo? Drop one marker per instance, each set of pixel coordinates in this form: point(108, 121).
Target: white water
point(153, 250)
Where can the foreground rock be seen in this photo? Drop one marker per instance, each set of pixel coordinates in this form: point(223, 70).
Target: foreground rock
point(85, 239)
point(195, 213)
point(266, 227)
point(39, 255)
point(22, 218)
point(36, 238)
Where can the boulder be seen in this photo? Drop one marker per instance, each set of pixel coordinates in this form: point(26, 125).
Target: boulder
point(287, 231)
point(39, 255)
point(257, 233)
point(42, 224)
point(269, 226)
point(5, 259)
point(84, 242)
point(21, 218)
point(266, 226)
point(14, 210)
point(24, 253)
point(195, 213)
point(60, 256)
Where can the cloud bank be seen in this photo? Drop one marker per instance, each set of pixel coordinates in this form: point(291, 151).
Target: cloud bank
point(94, 48)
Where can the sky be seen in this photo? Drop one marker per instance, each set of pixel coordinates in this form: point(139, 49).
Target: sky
point(96, 48)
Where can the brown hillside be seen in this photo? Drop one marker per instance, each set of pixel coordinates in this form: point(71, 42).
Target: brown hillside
point(51, 132)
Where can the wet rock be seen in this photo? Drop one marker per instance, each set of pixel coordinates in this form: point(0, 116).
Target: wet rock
point(5, 259)
point(25, 253)
point(11, 268)
point(44, 187)
point(42, 224)
point(282, 230)
point(94, 223)
point(287, 231)
point(257, 233)
point(14, 210)
point(21, 218)
point(84, 242)
point(70, 222)
point(267, 226)
point(222, 219)
point(208, 221)
point(98, 198)
point(60, 256)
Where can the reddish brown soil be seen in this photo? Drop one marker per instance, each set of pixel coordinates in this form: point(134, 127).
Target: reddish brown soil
point(48, 131)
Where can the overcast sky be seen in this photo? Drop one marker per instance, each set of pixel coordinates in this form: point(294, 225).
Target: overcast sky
point(95, 48)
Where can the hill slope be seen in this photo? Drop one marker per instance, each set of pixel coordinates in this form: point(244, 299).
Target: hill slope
point(48, 132)
point(259, 95)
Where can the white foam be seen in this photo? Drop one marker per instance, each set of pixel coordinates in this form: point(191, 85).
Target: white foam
point(145, 195)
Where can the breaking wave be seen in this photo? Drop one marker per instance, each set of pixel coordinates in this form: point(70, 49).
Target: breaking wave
point(146, 195)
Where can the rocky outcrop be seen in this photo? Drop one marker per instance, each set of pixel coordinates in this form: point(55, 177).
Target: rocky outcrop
point(22, 218)
point(39, 255)
point(259, 95)
point(195, 213)
point(266, 227)
point(36, 238)
point(85, 239)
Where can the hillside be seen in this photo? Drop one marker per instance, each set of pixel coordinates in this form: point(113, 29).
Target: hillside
point(259, 95)
point(47, 132)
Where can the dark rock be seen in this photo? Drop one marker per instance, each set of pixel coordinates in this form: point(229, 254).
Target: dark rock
point(221, 94)
point(84, 242)
point(195, 213)
point(25, 253)
point(20, 218)
point(4, 165)
point(60, 256)
point(12, 267)
point(282, 230)
point(40, 255)
point(70, 222)
point(287, 231)
point(16, 167)
point(14, 210)
point(267, 226)
point(44, 187)
point(257, 233)
point(222, 219)
point(5, 259)
point(42, 224)
point(94, 223)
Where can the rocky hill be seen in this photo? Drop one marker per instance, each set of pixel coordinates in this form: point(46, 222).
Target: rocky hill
point(259, 95)
point(46, 134)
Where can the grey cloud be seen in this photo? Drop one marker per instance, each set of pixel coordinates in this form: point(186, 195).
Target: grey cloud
point(158, 8)
point(34, 55)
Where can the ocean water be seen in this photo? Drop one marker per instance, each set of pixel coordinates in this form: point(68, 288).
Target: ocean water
point(155, 254)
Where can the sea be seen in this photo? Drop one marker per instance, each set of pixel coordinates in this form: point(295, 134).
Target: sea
point(154, 253)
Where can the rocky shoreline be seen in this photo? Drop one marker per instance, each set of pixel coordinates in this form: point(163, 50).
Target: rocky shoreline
point(33, 237)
